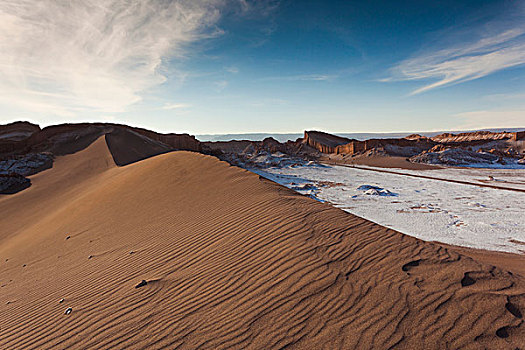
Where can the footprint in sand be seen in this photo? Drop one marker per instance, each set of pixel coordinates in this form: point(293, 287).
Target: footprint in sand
point(467, 280)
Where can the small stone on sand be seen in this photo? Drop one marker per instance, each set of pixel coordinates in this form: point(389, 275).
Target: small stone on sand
point(61, 300)
point(68, 237)
point(68, 311)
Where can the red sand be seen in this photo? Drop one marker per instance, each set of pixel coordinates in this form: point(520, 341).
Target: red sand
point(231, 261)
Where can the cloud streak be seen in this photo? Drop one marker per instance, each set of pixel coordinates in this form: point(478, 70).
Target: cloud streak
point(498, 118)
point(65, 56)
point(305, 77)
point(493, 51)
point(172, 106)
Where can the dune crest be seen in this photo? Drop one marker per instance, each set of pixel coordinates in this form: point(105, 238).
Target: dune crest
point(231, 261)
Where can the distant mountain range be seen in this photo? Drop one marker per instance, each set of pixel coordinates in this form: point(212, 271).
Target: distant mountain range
point(357, 136)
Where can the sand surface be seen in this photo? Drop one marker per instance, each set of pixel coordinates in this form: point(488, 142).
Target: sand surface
point(514, 263)
point(231, 260)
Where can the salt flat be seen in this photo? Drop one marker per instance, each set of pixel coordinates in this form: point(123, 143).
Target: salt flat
point(429, 209)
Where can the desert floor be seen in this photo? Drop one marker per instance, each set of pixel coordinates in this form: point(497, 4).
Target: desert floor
point(230, 260)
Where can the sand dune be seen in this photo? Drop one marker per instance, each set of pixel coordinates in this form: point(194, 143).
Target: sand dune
point(129, 147)
point(231, 261)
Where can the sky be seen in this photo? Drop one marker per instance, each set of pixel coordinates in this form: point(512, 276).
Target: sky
point(276, 66)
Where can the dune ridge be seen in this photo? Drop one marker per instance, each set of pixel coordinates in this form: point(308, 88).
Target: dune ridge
point(231, 260)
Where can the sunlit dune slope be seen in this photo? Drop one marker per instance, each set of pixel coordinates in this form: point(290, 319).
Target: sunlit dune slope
point(231, 261)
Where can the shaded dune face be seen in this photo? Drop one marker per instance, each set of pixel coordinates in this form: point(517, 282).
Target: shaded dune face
point(231, 261)
point(129, 147)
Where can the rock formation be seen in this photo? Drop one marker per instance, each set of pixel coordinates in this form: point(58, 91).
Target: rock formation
point(446, 149)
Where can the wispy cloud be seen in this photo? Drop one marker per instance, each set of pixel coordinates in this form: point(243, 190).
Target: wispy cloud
point(268, 102)
point(220, 85)
point(232, 69)
point(500, 118)
point(258, 7)
point(171, 106)
point(507, 97)
point(306, 77)
point(492, 48)
point(62, 56)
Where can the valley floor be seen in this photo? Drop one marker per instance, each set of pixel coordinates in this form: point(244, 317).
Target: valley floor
point(431, 207)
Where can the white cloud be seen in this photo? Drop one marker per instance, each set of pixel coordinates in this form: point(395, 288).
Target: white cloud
point(170, 106)
point(497, 47)
point(268, 102)
point(232, 69)
point(485, 119)
point(306, 77)
point(220, 85)
point(257, 8)
point(63, 56)
point(506, 97)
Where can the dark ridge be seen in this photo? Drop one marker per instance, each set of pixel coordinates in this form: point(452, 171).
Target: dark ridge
point(128, 147)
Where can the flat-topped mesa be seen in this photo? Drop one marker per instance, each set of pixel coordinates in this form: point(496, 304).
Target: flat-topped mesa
point(332, 144)
point(518, 136)
point(509, 143)
point(324, 142)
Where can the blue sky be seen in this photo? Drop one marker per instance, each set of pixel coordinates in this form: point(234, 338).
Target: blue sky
point(237, 66)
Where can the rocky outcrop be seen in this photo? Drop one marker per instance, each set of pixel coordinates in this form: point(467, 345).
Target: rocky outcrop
point(454, 157)
point(12, 135)
point(415, 137)
point(69, 138)
point(324, 142)
point(475, 136)
point(327, 143)
point(13, 183)
point(445, 149)
point(234, 146)
point(268, 152)
point(269, 144)
point(27, 164)
point(518, 136)
point(395, 147)
point(17, 131)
